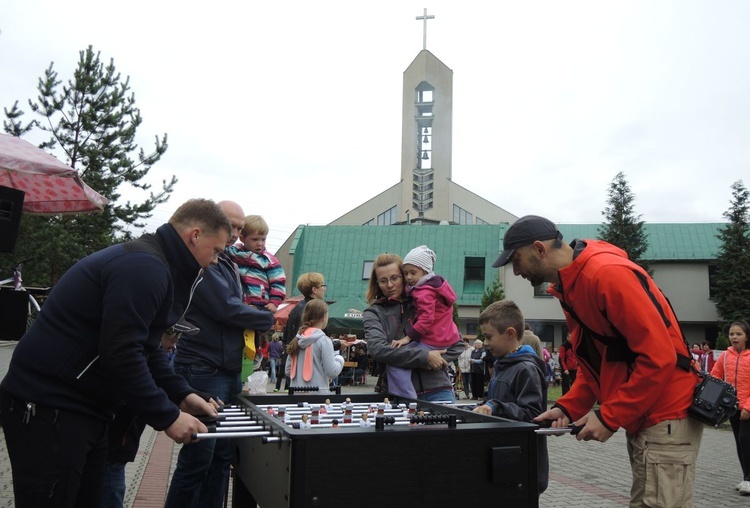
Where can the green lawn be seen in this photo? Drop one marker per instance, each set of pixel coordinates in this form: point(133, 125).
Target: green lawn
point(553, 393)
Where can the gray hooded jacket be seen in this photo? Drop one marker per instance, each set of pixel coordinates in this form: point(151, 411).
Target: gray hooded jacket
point(326, 363)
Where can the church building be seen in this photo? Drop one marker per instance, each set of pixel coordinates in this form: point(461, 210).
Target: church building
point(465, 230)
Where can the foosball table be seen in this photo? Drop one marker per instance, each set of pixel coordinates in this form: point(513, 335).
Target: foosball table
point(375, 450)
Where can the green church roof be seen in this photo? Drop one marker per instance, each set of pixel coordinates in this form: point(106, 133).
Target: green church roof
point(666, 242)
point(341, 253)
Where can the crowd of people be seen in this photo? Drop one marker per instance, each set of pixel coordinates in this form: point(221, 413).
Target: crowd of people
point(95, 367)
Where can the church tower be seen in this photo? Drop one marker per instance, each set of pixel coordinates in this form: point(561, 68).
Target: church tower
point(426, 138)
point(426, 193)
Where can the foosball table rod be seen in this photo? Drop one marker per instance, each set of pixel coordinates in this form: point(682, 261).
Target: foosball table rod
point(229, 435)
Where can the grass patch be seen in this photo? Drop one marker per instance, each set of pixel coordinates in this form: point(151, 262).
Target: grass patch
point(554, 393)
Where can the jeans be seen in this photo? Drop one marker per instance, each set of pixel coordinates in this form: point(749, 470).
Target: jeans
point(57, 456)
point(273, 362)
point(438, 396)
point(202, 472)
point(113, 492)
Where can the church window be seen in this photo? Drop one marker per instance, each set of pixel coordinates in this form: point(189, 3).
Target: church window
point(388, 217)
point(461, 216)
point(424, 95)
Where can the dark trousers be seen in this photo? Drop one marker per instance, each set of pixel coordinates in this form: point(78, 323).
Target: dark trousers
point(741, 431)
point(567, 380)
point(477, 385)
point(466, 381)
point(57, 457)
point(282, 373)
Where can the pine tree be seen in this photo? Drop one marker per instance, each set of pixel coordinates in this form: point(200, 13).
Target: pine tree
point(91, 122)
point(732, 281)
point(493, 293)
point(622, 227)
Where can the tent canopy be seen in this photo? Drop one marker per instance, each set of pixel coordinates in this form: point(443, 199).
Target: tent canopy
point(282, 313)
point(345, 316)
point(51, 186)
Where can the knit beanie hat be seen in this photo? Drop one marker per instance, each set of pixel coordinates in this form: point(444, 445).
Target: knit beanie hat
point(422, 257)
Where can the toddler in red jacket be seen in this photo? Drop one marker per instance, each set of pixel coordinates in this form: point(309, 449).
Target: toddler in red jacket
point(432, 326)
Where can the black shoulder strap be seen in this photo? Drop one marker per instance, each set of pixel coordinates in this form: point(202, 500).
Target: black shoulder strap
point(617, 346)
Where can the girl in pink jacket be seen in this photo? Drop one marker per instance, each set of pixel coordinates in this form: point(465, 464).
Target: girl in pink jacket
point(733, 366)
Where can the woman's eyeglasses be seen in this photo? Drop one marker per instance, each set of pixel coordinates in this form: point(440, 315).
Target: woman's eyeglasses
point(384, 282)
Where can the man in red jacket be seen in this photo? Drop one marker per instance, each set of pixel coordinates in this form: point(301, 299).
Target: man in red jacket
point(627, 341)
point(568, 364)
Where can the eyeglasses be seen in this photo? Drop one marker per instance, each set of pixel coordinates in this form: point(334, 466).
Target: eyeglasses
point(393, 280)
point(323, 286)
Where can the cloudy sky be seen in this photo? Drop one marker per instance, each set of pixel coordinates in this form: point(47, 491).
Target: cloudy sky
point(293, 108)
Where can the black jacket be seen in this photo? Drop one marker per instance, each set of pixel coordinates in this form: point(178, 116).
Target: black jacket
point(97, 340)
point(217, 309)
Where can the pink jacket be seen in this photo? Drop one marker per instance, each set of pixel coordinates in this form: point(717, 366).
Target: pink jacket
point(734, 367)
point(433, 324)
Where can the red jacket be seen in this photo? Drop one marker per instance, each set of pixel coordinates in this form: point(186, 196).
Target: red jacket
point(568, 359)
point(707, 360)
point(635, 391)
point(734, 367)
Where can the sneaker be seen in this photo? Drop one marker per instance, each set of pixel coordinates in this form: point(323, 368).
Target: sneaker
point(737, 487)
point(745, 488)
point(276, 390)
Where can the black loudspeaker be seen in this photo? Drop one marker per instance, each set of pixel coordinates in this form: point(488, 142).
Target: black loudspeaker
point(11, 202)
point(14, 311)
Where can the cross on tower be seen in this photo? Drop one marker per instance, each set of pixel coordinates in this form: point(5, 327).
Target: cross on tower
point(424, 17)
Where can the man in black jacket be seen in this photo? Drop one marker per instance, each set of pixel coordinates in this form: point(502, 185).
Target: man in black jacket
point(211, 361)
point(95, 344)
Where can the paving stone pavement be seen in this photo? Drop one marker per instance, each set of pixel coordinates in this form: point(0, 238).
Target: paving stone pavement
point(582, 474)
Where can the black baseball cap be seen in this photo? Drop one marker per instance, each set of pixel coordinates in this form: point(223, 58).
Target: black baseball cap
point(525, 231)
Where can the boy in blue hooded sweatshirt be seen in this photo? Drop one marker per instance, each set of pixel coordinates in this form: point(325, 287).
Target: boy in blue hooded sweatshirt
point(518, 389)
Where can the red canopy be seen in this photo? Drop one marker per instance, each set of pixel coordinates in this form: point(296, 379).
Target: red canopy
point(282, 313)
point(51, 186)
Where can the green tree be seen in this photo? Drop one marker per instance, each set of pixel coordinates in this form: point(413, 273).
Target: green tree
point(492, 293)
point(732, 280)
point(622, 227)
point(722, 342)
point(91, 122)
